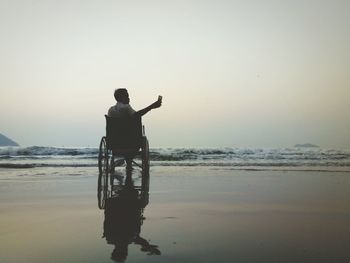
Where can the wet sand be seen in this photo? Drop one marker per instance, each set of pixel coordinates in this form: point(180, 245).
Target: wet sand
point(195, 214)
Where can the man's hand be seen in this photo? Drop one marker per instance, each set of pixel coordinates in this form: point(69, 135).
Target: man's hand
point(156, 104)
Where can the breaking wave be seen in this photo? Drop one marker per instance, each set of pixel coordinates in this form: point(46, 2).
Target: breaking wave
point(37, 156)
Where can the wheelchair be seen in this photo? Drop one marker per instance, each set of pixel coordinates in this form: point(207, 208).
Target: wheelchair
point(125, 141)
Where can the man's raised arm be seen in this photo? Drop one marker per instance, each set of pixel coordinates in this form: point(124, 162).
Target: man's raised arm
point(154, 105)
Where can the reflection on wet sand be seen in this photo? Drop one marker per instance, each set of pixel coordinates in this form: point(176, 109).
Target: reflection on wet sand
point(124, 206)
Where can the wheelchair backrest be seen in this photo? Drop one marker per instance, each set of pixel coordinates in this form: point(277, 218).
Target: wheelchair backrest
point(123, 133)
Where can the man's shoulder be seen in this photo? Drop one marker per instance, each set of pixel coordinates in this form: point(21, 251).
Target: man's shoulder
point(125, 107)
point(112, 108)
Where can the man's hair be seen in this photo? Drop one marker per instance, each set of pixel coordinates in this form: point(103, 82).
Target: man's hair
point(119, 94)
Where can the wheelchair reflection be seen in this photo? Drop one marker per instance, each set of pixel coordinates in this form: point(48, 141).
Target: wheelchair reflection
point(124, 217)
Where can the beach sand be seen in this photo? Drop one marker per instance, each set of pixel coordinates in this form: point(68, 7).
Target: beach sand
point(195, 214)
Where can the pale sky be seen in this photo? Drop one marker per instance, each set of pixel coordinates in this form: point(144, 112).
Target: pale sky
point(257, 73)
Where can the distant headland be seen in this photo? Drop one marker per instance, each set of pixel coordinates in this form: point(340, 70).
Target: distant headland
point(306, 145)
point(5, 141)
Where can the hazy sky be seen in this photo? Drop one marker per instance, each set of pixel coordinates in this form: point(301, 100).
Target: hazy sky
point(246, 73)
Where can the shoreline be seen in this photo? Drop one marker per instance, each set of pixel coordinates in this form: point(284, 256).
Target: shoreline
point(278, 168)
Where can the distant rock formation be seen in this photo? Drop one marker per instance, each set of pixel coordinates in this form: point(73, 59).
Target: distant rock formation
point(4, 141)
point(306, 145)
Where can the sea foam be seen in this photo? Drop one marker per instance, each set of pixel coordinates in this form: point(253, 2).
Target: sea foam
point(38, 156)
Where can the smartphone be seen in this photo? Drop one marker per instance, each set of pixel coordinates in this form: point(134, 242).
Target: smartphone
point(160, 98)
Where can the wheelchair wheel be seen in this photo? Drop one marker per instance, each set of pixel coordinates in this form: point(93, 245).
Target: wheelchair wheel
point(103, 156)
point(103, 167)
point(102, 189)
point(144, 194)
point(145, 157)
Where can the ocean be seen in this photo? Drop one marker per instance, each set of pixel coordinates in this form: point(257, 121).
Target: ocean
point(232, 158)
point(202, 205)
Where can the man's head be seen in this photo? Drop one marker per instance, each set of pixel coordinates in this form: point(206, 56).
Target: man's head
point(122, 95)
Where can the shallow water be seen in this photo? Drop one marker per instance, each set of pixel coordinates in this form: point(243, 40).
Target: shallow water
point(194, 214)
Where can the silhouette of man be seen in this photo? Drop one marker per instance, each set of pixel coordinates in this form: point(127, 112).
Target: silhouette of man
point(123, 108)
point(123, 220)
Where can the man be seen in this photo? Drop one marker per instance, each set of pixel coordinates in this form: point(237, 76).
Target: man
point(123, 108)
